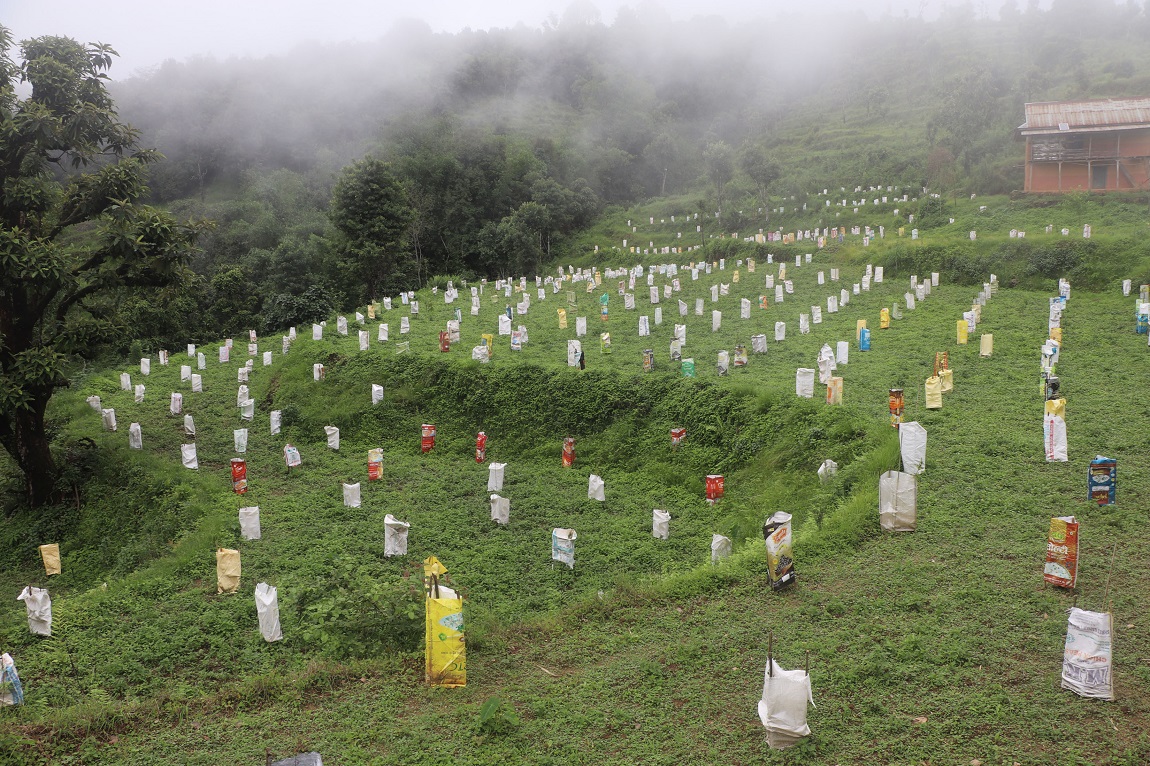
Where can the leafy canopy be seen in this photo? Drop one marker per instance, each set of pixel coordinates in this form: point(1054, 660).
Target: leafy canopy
point(72, 235)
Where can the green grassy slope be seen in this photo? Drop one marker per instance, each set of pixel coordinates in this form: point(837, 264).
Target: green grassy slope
point(951, 624)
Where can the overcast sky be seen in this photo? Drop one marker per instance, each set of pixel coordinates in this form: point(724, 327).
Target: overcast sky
point(147, 32)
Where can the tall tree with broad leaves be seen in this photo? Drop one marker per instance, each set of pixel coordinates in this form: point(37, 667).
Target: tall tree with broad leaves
point(72, 235)
point(372, 213)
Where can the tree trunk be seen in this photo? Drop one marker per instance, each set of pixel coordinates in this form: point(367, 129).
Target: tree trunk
point(23, 436)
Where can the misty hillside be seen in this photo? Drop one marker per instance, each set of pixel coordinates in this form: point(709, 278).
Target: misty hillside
point(510, 142)
point(617, 104)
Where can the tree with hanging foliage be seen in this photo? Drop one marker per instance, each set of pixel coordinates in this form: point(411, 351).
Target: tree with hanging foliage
point(73, 235)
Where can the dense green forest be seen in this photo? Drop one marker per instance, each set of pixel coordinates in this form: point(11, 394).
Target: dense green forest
point(504, 144)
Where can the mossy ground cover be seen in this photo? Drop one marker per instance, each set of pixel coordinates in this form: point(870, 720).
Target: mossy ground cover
point(940, 646)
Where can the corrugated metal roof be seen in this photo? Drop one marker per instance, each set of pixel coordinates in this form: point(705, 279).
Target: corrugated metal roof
point(1110, 113)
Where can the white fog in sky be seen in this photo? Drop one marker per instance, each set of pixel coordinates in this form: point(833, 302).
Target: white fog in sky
point(148, 32)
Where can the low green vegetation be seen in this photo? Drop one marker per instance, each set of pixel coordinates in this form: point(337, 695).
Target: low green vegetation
point(940, 646)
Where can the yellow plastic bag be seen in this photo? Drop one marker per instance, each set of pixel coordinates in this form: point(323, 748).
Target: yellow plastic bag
point(962, 330)
point(446, 646)
point(562, 318)
point(884, 319)
point(51, 555)
point(860, 325)
point(933, 393)
point(1056, 407)
point(227, 570)
point(1056, 334)
point(986, 348)
point(489, 341)
point(946, 380)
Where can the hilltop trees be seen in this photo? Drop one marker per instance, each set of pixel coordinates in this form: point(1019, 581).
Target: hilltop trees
point(72, 235)
point(371, 213)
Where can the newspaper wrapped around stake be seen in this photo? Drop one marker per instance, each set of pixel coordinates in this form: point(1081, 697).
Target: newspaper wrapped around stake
point(1087, 656)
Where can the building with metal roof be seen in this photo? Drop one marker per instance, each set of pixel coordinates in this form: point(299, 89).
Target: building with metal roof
point(1100, 145)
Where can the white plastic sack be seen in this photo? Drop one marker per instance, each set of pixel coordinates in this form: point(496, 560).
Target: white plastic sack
point(759, 344)
point(197, 383)
point(126, 381)
point(188, 456)
point(382, 334)
point(39, 606)
point(108, 417)
point(225, 354)
point(804, 324)
point(176, 406)
point(317, 332)
point(139, 393)
point(595, 488)
point(351, 495)
point(376, 394)
point(135, 436)
point(716, 320)
point(276, 421)
point(394, 536)
point(780, 331)
point(783, 706)
point(1086, 659)
point(580, 326)
point(504, 324)
point(145, 366)
point(897, 501)
point(828, 469)
point(248, 409)
point(268, 612)
point(332, 436)
point(201, 362)
point(189, 426)
point(495, 476)
point(267, 359)
point(185, 372)
point(341, 325)
point(500, 509)
point(912, 444)
point(364, 340)
point(1054, 438)
point(660, 524)
point(240, 438)
point(720, 548)
point(842, 352)
point(805, 382)
point(250, 522)
point(744, 309)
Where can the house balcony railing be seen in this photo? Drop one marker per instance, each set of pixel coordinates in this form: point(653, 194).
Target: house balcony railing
point(1060, 154)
